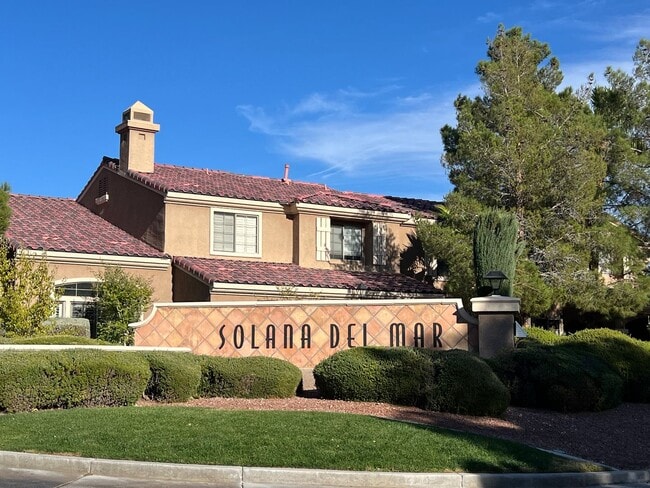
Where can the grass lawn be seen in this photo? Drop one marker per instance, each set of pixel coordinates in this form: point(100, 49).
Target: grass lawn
point(269, 439)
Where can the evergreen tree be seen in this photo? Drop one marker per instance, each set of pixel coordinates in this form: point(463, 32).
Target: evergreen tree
point(625, 107)
point(496, 248)
point(540, 153)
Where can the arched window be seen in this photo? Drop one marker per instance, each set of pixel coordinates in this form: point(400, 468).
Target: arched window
point(77, 298)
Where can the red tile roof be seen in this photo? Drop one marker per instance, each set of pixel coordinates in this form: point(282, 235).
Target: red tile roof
point(61, 224)
point(211, 271)
point(168, 178)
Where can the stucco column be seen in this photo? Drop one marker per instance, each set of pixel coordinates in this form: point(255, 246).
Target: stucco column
point(496, 323)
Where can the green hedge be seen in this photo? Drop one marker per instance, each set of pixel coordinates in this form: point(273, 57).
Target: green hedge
point(175, 376)
point(464, 384)
point(537, 336)
point(55, 340)
point(73, 378)
point(452, 381)
point(251, 377)
point(559, 377)
point(630, 358)
point(374, 374)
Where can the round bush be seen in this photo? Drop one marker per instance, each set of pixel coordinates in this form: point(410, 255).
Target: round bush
point(559, 378)
point(175, 376)
point(374, 374)
point(464, 384)
point(630, 358)
point(450, 381)
point(250, 377)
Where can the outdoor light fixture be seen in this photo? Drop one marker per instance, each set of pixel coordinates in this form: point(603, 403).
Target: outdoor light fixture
point(495, 278)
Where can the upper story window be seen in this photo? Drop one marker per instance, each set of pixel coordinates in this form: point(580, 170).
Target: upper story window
point(352, 241)
point(346, 241)
point(236, 233)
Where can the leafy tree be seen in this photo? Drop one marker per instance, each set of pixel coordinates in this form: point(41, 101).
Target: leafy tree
point(5, 210)
point(27, 295)
point(495, 248)
point(624, 105)
point(527, 148)
point(121, 300)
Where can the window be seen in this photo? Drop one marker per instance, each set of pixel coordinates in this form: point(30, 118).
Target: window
point(77, 300)
point(236, 233)
point(346, 241)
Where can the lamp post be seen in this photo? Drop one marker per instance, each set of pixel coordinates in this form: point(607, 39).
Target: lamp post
point(496, 279)
point(496, 317)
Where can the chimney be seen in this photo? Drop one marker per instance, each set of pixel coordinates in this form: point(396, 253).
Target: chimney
point(285, 178)
point(137, 132)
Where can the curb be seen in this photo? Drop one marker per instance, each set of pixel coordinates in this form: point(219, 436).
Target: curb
point(249, 477)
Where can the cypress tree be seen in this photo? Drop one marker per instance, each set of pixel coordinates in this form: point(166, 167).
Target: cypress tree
point(496, 248)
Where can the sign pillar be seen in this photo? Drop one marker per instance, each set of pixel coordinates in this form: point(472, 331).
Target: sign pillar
point(496, 323)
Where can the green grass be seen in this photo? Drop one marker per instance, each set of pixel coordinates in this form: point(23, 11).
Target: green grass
point(268, 439)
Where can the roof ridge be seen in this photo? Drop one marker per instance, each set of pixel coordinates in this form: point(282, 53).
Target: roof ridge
point(43, 197)
point(231, 173)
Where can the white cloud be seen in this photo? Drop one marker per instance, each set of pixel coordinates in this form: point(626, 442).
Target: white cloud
point(361, 134)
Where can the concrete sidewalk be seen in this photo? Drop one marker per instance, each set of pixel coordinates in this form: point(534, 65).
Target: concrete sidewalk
point(92, 471)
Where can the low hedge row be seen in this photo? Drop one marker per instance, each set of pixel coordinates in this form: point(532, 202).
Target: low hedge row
point(55, 340)
point(628, 357)
point(591, 370)
point(450, 381)
point(74, 378)
point(82, 378)
point(558, 378)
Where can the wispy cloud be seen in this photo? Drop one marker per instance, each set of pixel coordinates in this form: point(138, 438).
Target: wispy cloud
point(381, 134)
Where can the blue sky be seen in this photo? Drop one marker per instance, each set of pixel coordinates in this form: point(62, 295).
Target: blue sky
point(351, 94)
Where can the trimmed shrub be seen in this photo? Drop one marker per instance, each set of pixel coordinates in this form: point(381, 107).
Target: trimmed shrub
point(374, 374)
point(450, 381)
point(57, 340)
point(74, 378)
point(559, 377)
point(68, 326)
point(537, 336)
point(464, 384)
point(175, 376)
point(630, 358)
point(251, 377)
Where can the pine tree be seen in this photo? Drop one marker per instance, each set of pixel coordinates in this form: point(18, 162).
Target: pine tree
point(542, 154)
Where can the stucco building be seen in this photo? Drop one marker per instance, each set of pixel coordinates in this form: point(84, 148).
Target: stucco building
point(206, 235)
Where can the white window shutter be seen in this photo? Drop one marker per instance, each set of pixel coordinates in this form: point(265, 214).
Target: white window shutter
point(322, 238)
point(379, 230)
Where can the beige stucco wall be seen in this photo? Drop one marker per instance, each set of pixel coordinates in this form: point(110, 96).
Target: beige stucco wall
point(398, 241)
point(161, 280)
point(304, 242)
point(132, 207)
point(188, 232)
